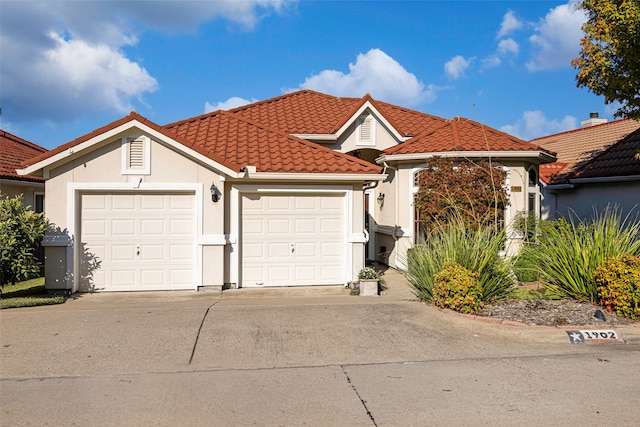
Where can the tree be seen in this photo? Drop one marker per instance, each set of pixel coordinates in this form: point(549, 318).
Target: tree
point(458, 188)
point(21, 231)
point(609, 62)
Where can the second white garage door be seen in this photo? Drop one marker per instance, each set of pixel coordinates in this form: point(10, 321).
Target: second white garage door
point(292, 240)
point(141, 241)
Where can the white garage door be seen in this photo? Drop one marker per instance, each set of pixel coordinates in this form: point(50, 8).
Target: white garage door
point(142, 241)
point(291, 240)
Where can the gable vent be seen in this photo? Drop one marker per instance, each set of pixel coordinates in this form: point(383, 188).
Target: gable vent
point(366, 131)
point(136, 154)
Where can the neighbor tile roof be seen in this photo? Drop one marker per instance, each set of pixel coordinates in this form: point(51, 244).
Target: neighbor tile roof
point(13, 151)
point(461, 134)
point(619, 160)
point(577, 147)
point(243, 143)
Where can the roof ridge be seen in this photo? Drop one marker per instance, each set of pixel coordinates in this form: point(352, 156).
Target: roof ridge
point(279, 98)
point(582, 129)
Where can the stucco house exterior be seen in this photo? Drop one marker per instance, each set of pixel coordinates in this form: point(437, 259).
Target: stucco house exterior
point(13, 151)
point(296, 190)
point(597, 167)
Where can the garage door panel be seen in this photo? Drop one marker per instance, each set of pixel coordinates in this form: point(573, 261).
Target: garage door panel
point(96, 227)
point(123, 202)
point(290, 240)
point(305, 225)
point(152, 227)
point(278, 250)
point(140, 242)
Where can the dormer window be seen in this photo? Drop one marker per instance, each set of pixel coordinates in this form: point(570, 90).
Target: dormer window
point(136, 155)
point(366, 130)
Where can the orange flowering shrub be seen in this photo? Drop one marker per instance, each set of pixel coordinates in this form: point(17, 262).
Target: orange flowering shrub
point(618, 285)
point(457, 288)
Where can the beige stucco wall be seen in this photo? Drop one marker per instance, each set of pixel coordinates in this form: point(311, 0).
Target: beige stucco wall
point(102, 167)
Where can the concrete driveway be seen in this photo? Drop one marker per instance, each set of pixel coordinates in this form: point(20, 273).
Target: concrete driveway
point(301, 357)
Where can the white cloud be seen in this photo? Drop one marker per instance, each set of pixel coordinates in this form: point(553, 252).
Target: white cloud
point(490, 62)
point(375, 73)
point(507, 46)
point(233, 102)
point(456, 66)
point(510, 23)
point(534, 124)
point(63, 59)
point(557, 38)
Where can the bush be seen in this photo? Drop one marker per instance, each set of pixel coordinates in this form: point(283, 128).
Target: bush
point(569, 252)
point(21, 231)
point(618, 281)
point(478, 250)
point(458, 289)
point(525, 264)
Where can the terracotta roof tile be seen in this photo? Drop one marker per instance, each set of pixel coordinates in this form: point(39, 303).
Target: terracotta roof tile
point(580, 146)
point(15, 150)
point(241, 142)
point(618, 159)
point(461, 134)
point(305, 111)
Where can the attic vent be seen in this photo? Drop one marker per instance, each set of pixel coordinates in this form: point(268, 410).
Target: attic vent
point(365, 131)
point(135, 155)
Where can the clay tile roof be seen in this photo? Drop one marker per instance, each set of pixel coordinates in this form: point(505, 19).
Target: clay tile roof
point(15, 150)
point(577, 147)
point(461, 134)
point(305, 111)
point(225, 135)
point(617, 160)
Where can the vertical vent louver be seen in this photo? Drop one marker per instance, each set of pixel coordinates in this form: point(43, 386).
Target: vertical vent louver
point(136, 154)
point(365, 130)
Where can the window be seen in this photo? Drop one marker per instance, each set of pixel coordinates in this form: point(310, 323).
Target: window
point(366, 130)
point(135, 155)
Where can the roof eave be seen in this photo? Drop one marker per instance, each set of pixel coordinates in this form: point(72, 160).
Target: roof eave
point(282, 176)
point(542, 156)
point(605, 179)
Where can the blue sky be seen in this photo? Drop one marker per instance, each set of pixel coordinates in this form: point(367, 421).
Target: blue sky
point(68, 68)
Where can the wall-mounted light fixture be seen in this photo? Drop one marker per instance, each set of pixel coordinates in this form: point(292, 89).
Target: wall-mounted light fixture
point(380, 199)
point(215, 193)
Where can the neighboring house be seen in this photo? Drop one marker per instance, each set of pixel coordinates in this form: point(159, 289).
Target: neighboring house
point(13, 151)
point(295, 190)
point(596, 167)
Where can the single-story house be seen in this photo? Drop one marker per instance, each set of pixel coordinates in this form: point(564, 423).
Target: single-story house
point(296, 190)
point(597, 167)
point(13, 151)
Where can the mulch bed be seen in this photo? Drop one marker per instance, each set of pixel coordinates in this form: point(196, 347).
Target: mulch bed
point(552, 313)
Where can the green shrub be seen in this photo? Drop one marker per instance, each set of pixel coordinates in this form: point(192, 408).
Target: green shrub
point(458, 289)
point(478, 250)
point(525, 264)
point(618, 281)
point(570, 251)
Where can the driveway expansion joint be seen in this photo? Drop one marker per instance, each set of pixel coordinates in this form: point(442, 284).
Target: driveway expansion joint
point(355, 390)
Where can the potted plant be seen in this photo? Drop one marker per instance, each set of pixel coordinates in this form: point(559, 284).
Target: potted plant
point(369, 281)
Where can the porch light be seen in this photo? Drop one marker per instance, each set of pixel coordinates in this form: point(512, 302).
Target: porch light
point(215, 193)
point(380, 199)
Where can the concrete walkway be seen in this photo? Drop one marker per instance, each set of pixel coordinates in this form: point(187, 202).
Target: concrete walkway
point(300, 357)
